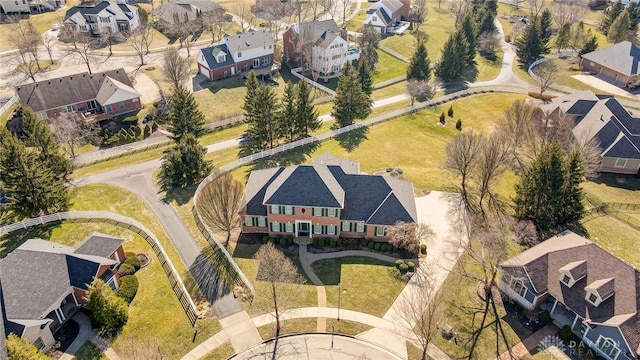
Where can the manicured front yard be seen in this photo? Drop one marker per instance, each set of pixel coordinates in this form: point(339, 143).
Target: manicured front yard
point(388, 67)
point(359, 276)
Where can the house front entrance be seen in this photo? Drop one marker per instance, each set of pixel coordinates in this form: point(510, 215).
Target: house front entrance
point(303, 228)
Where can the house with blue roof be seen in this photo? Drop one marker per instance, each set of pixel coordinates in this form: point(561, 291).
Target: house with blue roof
point(328, 198)
point(603, 120)
point(44, 283)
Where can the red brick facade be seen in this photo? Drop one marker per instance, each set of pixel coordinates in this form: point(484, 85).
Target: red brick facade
point(97, 115)
point(604, 72)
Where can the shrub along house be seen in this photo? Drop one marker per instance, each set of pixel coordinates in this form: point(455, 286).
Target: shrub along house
point(327, 198)
point(44, 283)
point(582, 286)
point(237, 55)
point(90, 97)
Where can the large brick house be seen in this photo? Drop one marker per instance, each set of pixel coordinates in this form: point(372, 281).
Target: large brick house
point(601, 118)
point(616, 63)
point(582, 286)
point(43, 283)
point(320, 46)
point(327, 198)
point(238, 54)
point(90, 97)
point(106, 16)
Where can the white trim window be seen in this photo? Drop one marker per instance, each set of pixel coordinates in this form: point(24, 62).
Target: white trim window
point(360, 227)
point(608, 347)
point(274, 209)
point(346, 226)
point(331, 230)
point(262, 221)
point(620, 163)
point(289, 227)
point(317, 229)
point(380, 231)
point(332, 212)
point(316, 211)
point(275, 226)
point(288, 210)
point(518, 287)
point(248, 221)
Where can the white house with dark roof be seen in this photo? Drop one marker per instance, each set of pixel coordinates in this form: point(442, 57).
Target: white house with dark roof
point(43, 283)
point(582, 286)
point(105, 16)
point(181, 11)
point(30, 6)
point(385, 14)
point(617, 63)
point(238, 54)
point(89, 97)
point(320, 45)
point(327, 198)
point(603, 119)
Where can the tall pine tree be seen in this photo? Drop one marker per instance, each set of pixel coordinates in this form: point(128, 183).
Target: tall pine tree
point(288, 122)
point(184, 164)
point(38, 136)
point(573, 209)
point(545, 22)
point(619, 29)
point(368, 41)
point(306, 115)
point(351, 101)
point(563, 39)
point(185, 117)
point(29, 185)
point(609, 15)
point(529, 45)
point(468, 29)
point(420, 67)
point(364, 75)
point(262, 114)
point(452, 61)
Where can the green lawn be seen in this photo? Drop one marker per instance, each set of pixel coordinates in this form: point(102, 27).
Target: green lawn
point(88, 351)
point(613, 188)
point(356, 22)
point(305, 294)
point(388, 67)
point(616, 237)
point(155, 313)
point(221, 352)
point(358, 275)
point(291, 326)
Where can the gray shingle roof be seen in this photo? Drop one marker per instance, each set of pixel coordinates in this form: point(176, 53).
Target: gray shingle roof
point(55, 93)
point(369, 198)
point(249, 40)
point(623, 57)
point(601, 266)
point(210, 56)
point(99, 244)
point(169, 11)
point(39, 273)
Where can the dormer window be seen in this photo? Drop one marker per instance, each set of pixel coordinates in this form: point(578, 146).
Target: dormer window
point(573, 272)
point(222, 58)
point(566, 279)
point(593, 298)
point(599, 291)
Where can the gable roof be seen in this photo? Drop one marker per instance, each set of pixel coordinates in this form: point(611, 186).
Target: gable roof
point(99, 244)
point(623, 57)
point(113, 91)
point(616, 280)
point(602, 118)
point(320, 32)
point(39, 273)
point(332, 182)
point(67, 90)
point(181, 8)
point(382, 15)
point(118, 10)
point(210, 55)
point(248, 41)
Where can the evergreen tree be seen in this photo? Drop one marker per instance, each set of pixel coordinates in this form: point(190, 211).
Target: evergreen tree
point(185, 117)
point(108, 310)
point(529, 45)
point(252, 85)
point(306, 114)
point(29, 184)
point(261, 114)
point(633, 8)
point(609, 15)
point(37, 135)
point(351, 101)
point(184, 164)
point(619, 29)
point(288, 121)
point(468, 29)
point(540, 194)
point(364, 75)
point(19, 348)
point(573, 194)
point(420, 67)
point(486, 22)
point(452, 61)
point(368, 42)
point(591, 44)
point(563, 39)
point(545, 26)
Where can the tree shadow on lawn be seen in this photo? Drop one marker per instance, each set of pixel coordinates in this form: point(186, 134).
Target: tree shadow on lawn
point(352, 139)
point(229, 83)
point(12, 241)
point(622, 181)
point(295, 156)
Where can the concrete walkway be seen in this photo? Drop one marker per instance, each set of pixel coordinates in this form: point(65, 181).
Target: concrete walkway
point(85, 333)
point(529, 344)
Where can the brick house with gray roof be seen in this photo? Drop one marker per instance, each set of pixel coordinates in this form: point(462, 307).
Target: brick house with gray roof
point(45, 283)
point(616, 63)
point(88, 97)
point(327, 198)
point(603, 119)
point(582, 286)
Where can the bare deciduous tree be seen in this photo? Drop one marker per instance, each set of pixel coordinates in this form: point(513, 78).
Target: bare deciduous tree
point(421, 310)
point(329, 7)
point(517, 129)
point(547, 73)
point(346, 5)
point(215, 22)
point(535, 7)
point(569, 11)
point(418, 13)
point(175, 68)
point(419, 90)
point(72, 133)
point(410, 235)
point(49, 42)
point(109, 38)
point(488, 42)
point(220, 202)
point(459, 9)
point(140, 40)
point(279, 272)
point(492, 164)
point(243, 11)
point(524, 232)
point(461, 155)
point(27, 40)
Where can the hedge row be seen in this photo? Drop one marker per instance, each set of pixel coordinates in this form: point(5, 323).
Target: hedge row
point(128, 288)
point(384, 247)
point(404, 267)
point(328, 241)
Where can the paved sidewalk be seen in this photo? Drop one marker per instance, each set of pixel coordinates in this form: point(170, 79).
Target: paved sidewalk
point(86, 333)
